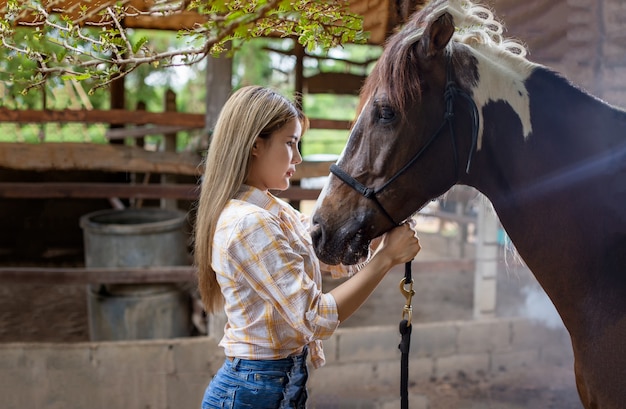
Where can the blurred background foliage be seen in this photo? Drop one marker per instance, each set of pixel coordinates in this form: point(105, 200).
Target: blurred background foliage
point(253, 63)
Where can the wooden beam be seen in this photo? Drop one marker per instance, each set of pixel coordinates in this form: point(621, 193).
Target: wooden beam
point(117, 158)
point(183, 20)
point(330, 124)
point(111, 116)
point(309, 169)
point(140, 132)
point(78, 276)
point(96, 157)
point(342, 83)
point(158, 274)
point(128, 117)
point(69, 190)
point(290, 52)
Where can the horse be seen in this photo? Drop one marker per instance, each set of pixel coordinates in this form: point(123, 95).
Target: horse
point(452, 101)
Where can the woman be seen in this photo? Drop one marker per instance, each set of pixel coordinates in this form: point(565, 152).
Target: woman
point(255, 258)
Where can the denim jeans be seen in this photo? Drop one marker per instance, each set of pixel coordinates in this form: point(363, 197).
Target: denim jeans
point(259, 384)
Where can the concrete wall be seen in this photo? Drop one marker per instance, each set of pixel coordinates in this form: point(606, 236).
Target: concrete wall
point(173, 373)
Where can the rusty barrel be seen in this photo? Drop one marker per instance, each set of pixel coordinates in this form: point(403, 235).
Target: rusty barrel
point(136, 238)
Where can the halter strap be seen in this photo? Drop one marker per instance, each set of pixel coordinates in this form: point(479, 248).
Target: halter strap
point(362, 189)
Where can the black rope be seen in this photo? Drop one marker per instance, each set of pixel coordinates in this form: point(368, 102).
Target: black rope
point(407, 272)
point(405, 346)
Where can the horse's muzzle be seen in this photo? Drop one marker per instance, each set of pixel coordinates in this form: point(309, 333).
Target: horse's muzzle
point(345, 246)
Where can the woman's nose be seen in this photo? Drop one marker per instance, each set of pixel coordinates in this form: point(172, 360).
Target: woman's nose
point(297, 157)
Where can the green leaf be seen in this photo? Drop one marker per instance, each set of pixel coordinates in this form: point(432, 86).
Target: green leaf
point(77, 77)
point(139, 43)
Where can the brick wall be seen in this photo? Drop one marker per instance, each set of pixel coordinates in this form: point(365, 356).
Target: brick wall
point(164, 374)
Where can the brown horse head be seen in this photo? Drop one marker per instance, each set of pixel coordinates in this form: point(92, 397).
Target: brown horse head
point(410, 125)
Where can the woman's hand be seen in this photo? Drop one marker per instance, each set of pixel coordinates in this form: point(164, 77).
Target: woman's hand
point(400, 244)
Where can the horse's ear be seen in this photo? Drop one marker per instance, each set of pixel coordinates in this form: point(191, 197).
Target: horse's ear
point(437, 34)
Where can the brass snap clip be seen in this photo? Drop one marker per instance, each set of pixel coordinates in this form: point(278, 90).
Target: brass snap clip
point(407, 311)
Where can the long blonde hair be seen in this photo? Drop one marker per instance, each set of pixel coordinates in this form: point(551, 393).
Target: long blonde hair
point(249, 113)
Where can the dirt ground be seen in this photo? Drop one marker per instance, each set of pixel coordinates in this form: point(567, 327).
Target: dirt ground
point(37, 313)
point(531, 388)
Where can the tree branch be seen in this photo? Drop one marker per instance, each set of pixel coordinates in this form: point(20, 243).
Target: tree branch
point(97, 45)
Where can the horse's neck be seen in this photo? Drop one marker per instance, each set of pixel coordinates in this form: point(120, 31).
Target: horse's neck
point(557, 103)
point(575, 138)
point(545, 188)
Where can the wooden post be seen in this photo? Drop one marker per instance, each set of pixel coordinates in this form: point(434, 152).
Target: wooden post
point(219, 73)
point(486, 270)
point(169, 145)
point(118, 101)
point(298, 50)
point(141, 141)
point(298, 89)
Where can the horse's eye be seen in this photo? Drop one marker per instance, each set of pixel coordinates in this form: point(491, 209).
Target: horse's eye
point(386, 114)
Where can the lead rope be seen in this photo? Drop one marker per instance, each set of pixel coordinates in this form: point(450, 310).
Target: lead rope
point(405, 332)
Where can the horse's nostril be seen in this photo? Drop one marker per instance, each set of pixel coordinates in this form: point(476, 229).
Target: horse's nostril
point(316, 233)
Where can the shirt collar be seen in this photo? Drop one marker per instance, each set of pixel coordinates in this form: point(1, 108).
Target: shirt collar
point(259, 198)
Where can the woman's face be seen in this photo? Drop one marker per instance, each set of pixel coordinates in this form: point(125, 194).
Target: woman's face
point(274, 159)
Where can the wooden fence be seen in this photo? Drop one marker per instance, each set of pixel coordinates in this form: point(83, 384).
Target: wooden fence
point(133, 159)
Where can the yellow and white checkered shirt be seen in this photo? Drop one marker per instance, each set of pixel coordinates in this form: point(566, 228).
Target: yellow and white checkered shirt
point(271, 281)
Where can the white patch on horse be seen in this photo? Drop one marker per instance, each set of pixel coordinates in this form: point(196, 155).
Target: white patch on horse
point(502, 66)
point(502, 80)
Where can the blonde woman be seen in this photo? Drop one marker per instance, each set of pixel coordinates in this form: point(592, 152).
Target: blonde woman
point(255, 258)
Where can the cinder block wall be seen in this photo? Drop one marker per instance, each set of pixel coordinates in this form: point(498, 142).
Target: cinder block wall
point(164, 374)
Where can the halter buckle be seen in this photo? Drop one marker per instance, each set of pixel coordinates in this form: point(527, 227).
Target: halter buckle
point(407, 311)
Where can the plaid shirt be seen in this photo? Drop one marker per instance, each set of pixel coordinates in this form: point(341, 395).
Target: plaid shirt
point(271, 281)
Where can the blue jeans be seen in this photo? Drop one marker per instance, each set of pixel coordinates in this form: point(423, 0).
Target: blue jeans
point(262, 384)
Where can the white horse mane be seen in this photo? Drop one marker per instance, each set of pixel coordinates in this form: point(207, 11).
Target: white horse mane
point(502, 64)
point(477, 25)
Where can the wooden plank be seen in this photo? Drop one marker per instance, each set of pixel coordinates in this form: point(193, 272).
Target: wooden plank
point(312, 169)
point(330, 124)
point(76, 275)
point(69, 190)
point(140, 132)
point(111, 116)
point(343, 83)
point(127, 117)
point(96, 157)
point(118, 158)
point(158, 274)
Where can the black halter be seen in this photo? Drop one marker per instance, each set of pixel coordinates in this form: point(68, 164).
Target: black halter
point(451, 92)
